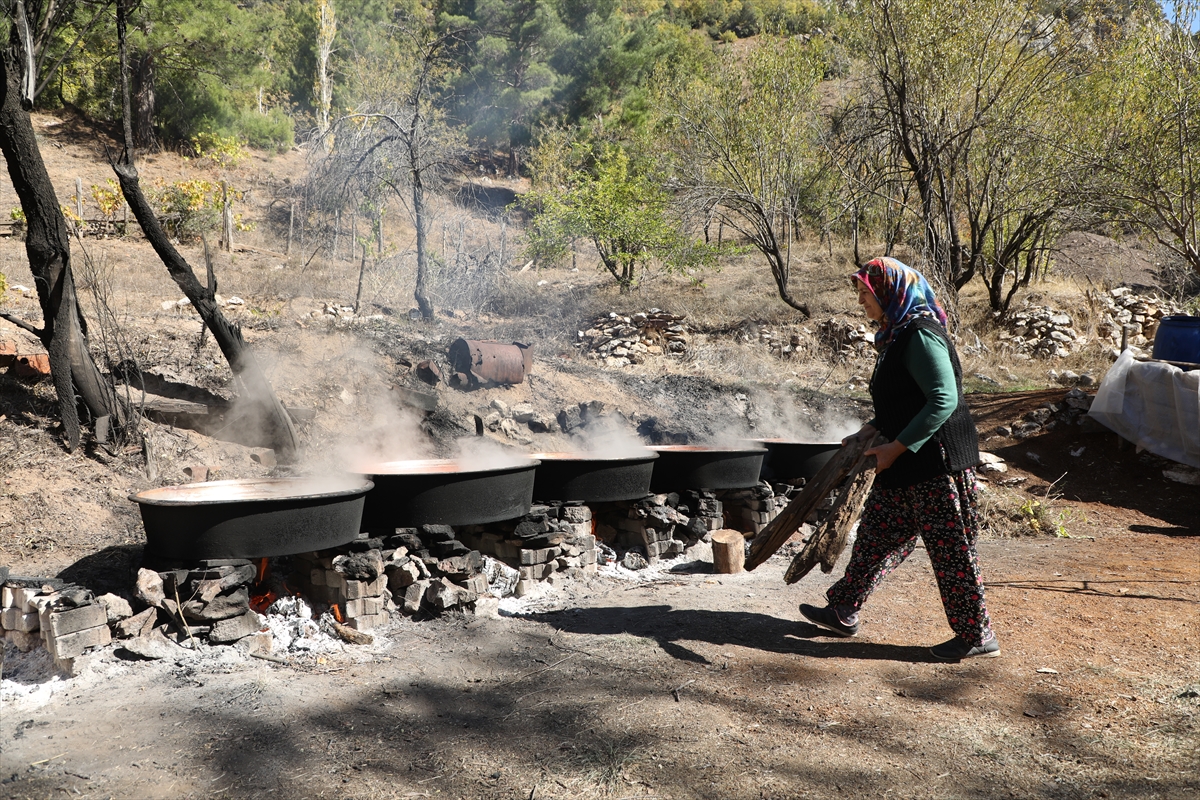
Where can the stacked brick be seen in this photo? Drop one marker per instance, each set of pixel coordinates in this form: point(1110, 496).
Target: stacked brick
point(751, 510)
point(351, 578)
point(66, 619)
point(662, 525)
point(548, 541)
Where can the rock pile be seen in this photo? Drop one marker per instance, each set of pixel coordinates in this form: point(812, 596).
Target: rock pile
point(1071, 410)
point(1041, 332)
point(431, 568)
point(619, 340)
point(1139, 315)
point(751, 510)
point(844, 338)
point(350, 579)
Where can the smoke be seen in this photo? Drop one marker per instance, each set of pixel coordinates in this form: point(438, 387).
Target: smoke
point(479, 453)
point(383, 431)
point(608, 438)
point(780, 418)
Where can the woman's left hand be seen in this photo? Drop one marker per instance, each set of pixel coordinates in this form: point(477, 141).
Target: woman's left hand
point(885, 455)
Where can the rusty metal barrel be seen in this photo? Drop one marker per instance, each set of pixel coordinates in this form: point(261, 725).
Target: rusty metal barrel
point(490, 361)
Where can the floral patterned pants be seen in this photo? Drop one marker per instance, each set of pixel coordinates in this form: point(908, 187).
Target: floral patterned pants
point(943, 511)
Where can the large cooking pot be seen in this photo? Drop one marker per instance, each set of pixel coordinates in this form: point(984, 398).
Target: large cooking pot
point(251, 518)
point(588, 479)
point(697, 467)
point(408, 494)
point(787, 460)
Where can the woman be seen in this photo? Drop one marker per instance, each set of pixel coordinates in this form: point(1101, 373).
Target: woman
point(925, 481)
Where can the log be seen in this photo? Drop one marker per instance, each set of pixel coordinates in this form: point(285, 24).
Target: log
point(792, 517)
point(351, 636)
point(729, 551)
point(829, 540)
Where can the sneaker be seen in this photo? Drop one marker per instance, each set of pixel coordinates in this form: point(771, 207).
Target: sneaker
point(958, 648)
point(827, 618)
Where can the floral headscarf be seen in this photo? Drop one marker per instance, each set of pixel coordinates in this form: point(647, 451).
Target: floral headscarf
point(903, 294)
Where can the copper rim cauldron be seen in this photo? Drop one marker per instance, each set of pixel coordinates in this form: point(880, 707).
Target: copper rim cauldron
point(408, 494)
point(582, 477)
point(251, 518)
point(697, 467)
point(787, 460)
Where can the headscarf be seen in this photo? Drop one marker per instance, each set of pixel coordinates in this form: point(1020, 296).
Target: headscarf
point(903, 294)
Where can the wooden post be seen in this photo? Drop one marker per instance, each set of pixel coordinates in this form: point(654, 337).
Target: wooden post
point(79, 202)
point(729, 551)
point(337, 229)
point(291, 228)
point(226, 219)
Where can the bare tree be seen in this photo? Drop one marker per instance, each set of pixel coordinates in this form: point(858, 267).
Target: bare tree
point(264, 404)
point(963, 118)
point(744, 147)
point(396, 139)
point(47, 242)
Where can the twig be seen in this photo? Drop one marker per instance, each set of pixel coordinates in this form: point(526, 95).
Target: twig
point(269, 657)
point(20, 323)
point(675, 691)
point(538, 671)
point(179, 611)
point(44, 760)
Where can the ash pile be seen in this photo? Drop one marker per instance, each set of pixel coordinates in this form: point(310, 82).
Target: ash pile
point(619, 340)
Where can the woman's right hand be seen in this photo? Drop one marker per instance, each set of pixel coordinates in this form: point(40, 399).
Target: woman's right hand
point(865, 434)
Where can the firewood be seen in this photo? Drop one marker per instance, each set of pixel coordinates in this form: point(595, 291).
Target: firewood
point(729, 551)
point(829, 540)
point(348, 634)
point(848, 459)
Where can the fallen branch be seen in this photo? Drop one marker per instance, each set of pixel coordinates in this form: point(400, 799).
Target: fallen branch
point(829, 540)
point(348, 634)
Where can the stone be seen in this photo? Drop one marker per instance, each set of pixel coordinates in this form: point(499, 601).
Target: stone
point(150, 587)
point(634, 560)
point(151, 646)
point(413, 596)
point(138, 625)
point(501, 407)
point(487, 607)
point(230, 630)
point(575, 514)
point(222, 606)
point(441, 594)
point(403, 576)
point(522, 412)
point(523, 588)
point(115, 607)
point(257, 644)
point(24, 641)
point(437, 533)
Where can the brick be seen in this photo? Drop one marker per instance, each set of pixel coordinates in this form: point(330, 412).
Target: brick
point(368, 622)
point(74, 644)
point(377, 586)
point(73, 619)
point(530, 557)
point(587, 557)
point(354, 608)
point(13, 620)
point(6, 597)
point(523, 588)
point(316, 577)
point(477, 584)
point(335, 579)
point(355, 590)
point(372, 605)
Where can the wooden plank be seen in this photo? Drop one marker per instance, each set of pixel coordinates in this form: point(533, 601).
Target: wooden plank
point(792, 517)
point(829, 540)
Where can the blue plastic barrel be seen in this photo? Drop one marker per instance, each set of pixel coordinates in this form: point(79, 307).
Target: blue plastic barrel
point(1178, 339)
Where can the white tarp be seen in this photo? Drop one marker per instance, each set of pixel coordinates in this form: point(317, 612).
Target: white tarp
point(1156, 406)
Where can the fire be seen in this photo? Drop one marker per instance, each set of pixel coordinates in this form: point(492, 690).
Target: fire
point(262, 596)
point(337, 612)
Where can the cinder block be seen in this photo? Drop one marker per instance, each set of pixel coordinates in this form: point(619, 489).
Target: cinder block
point(12, 619)
point(74, 644)
point(60, 623)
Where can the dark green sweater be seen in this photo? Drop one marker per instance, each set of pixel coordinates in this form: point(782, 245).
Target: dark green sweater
point(928, 361)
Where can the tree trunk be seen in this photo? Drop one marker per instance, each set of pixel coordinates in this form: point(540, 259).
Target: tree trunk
point(143, 103)
point(274, 418)
point(47, 245)
point(420, 293)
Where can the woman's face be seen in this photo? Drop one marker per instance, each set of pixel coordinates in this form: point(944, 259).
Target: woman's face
point(869, 303)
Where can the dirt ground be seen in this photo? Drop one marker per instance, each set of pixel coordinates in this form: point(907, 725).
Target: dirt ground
point(676, 683)
point(694, 685)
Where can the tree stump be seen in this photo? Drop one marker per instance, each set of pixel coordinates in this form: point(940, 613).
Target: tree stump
point(729, 551)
